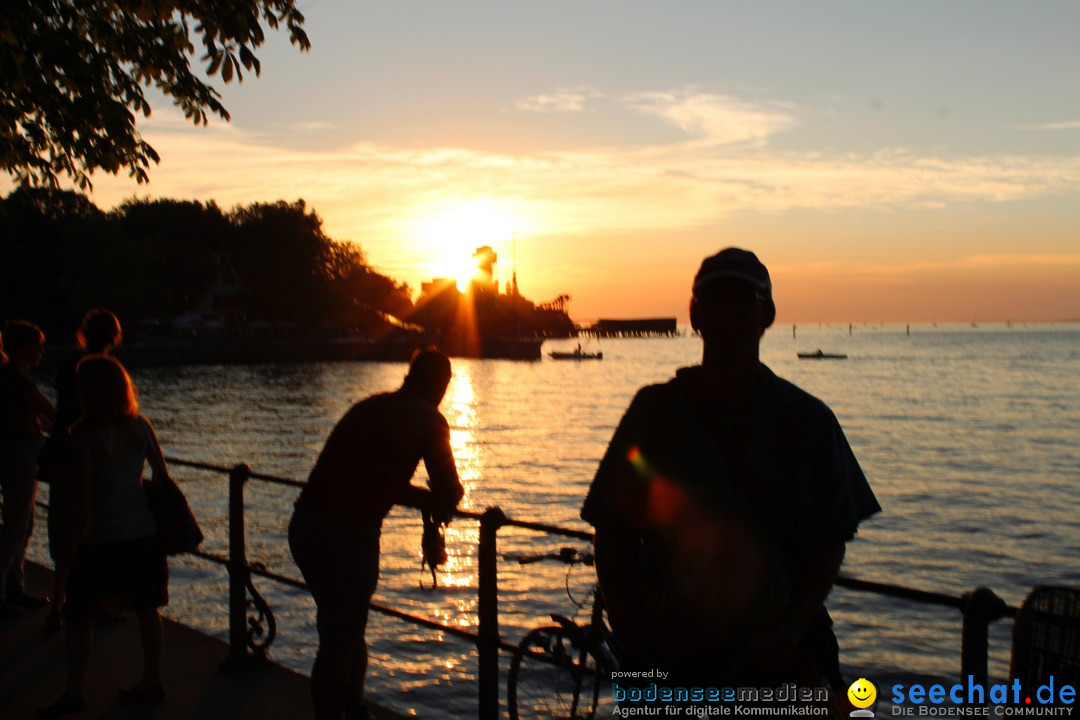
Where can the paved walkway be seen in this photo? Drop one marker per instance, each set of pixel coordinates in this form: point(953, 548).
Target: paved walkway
point(32, 674)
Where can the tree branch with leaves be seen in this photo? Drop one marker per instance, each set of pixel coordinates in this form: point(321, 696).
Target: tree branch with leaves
point(73, 75)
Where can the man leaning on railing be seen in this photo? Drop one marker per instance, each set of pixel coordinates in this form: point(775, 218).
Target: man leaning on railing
point(363, 470)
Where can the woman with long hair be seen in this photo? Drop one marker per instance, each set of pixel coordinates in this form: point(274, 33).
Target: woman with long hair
point(24, 414)
point(98, 333)
point(118, 555)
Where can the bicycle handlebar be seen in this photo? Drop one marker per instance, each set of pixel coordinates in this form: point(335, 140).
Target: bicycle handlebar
point(567, 555)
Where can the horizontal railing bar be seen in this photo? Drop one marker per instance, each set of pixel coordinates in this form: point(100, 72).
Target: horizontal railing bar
point(199, 465)
point(554, 529)
point(226, 471)
point(527, 525)
point(979, 606)
point(886, 589)
point(898, 591)
point(850, 583)
point(925, 597)
point(212, 558)
point(386, 610)
point(905, 593)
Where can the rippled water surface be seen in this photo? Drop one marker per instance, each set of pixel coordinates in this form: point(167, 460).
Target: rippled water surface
point(970, 438)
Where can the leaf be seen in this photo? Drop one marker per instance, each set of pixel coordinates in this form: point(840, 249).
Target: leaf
point(247, 58)
point(215, 63)
point(67, 65)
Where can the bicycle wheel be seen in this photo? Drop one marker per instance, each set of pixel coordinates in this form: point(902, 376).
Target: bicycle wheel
point(553, 674)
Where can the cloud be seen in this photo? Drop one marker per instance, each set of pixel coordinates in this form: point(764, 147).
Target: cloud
point(1069, 125)
point(560, 101)
point(370, 192)
point(1015, 260)
point(674, 186)
point(719, 119)
point(315, 126)
point(902, 272)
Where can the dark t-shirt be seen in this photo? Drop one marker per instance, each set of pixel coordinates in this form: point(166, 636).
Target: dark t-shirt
point(372, 454)
point(728, 502)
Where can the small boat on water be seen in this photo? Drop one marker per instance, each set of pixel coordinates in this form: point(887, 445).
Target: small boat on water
point(820, 354)
point(577, 354)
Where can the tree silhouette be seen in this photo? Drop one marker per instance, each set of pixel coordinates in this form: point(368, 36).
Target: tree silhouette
point(284, 258)
point(73, 73)
point(158, 259)
point(38, 228)
point(185, 243)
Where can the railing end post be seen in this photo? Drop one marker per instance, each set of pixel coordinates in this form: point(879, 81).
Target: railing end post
point(240, 473)
point(980, 607)
point(493, 518)
point(239, 573)
point(487, 644)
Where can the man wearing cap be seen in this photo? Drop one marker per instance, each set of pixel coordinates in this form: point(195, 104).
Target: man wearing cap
point(363, 470)
point(722, 507)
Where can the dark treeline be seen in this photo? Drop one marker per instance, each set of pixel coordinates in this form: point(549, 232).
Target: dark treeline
point(156, 260)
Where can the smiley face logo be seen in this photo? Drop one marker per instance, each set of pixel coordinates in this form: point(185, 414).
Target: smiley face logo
point(862, 693)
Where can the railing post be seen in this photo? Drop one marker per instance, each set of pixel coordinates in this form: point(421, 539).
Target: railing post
point(239, 573)
point(980, 607)
point(487, 645)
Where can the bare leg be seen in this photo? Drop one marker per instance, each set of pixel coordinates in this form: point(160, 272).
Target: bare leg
point(152, 634)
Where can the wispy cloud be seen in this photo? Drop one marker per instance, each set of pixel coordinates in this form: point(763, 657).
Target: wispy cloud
point(663, 186)
point(315, 126)
point(369, 192)
point(903, 271)
point(716, 118)
point(561, 100)
point(1068, 125)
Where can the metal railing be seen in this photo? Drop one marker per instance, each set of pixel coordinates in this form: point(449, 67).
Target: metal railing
point(251, 637)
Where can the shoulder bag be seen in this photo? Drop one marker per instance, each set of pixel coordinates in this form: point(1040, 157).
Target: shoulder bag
point(178, 531)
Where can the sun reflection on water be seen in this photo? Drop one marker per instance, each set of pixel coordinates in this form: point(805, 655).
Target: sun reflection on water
point(461, 414)
point(461, 537)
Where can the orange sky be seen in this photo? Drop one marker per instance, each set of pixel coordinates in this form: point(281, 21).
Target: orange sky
point(887, 161)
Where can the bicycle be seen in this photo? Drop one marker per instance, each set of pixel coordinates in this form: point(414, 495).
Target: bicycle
point(557, 670)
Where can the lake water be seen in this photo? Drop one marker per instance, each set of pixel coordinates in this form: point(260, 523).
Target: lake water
point(969, 436)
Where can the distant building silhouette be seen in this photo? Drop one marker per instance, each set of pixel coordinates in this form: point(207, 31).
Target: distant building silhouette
point(633, 328)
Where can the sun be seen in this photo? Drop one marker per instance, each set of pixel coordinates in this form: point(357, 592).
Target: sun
point(449, 232)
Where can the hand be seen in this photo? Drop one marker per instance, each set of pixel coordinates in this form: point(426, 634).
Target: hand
point(442, 516)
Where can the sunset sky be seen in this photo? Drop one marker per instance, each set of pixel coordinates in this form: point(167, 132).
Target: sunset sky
point(889, 161)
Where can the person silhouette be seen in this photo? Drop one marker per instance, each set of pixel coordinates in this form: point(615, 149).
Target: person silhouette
point(24, 414)
point(723, 504)
point(364, 469)
point(98, 333)
point(118, 553)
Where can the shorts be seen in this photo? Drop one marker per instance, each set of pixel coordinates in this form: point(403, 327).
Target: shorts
point(135, 569)
point(339, 559)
